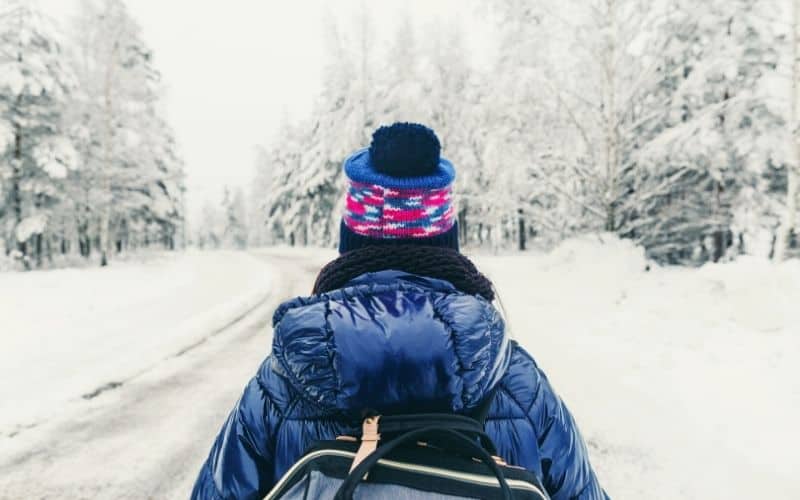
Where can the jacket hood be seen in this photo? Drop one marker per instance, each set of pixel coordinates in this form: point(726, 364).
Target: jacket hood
point(391, 342)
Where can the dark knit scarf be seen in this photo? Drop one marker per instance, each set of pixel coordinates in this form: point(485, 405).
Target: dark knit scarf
point(433, 262)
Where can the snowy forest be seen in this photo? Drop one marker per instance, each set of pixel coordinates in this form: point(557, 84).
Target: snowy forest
point(171, 191)
point(671, 123)
point(88, 164)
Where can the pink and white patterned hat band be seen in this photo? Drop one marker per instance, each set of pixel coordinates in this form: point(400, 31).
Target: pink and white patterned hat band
point(380, 212)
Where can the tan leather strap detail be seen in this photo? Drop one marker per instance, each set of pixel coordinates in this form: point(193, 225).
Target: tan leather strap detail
point(369, 440)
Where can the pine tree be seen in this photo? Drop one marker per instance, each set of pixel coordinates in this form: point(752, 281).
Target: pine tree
point(235, 231)
point(547, 130)
point(706, 188)
point(35, 152)
point(308, 164)
point(788, 239)
point(457, 100)
point(211, 228)
point(283, 200)
point(258, 200)
point(666, 122)
point(132, 175)
point(403, 92)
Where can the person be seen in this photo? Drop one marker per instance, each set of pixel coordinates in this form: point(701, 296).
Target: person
point(401, 322)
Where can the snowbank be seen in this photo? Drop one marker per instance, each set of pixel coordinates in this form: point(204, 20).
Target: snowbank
point(684, 381)
point(67, 333)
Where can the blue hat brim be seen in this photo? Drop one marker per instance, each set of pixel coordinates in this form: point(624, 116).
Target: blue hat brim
point(359, 168)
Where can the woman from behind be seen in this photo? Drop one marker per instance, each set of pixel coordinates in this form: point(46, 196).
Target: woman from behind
point(401, 322)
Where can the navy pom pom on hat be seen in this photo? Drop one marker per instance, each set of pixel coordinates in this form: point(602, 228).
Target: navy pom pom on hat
point(400, 192)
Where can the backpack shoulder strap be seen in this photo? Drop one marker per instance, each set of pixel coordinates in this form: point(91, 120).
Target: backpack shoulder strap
point(481, 412)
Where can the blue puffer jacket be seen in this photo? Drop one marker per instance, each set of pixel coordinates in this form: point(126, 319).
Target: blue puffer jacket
point(392, 342)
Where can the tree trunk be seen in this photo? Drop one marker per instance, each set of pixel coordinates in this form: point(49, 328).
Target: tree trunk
point(37, 248)
point(84, 242)
point(104, 238)
point(703, 250)
point(49, 249)
point(23, 248)
point(612, 130)
point(719, 245)
point(38, 243)
point(121, 239)
point(772, 246)
point(740, 248)
point(718, 237)
point(16, 195)
point(522, 234)
point(108, 155)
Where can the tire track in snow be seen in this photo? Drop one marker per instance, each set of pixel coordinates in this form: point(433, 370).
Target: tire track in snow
point(110, 386)
point(148, 437)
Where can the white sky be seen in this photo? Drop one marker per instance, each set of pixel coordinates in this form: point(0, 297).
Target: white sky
point(233, 68)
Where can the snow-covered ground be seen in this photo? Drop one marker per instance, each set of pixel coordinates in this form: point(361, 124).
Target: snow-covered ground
point(685, 382)
point(67, 334)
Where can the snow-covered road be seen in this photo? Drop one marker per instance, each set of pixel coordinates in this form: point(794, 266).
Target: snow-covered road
point(148, 437)
point(684, 381)
point(73, 332)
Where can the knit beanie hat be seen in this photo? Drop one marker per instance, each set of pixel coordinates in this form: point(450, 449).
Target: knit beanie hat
point(400, 192)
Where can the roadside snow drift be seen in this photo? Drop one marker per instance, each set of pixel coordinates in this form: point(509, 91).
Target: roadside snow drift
point(70, 334)
point(685, 382)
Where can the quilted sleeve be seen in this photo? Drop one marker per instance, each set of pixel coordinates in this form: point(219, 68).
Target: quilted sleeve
point(564, 457)
point(241, 462)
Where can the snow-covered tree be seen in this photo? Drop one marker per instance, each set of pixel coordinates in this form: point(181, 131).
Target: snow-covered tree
point(403, 92)
point(235, 231)
point(550, 128)
point(211, 227)
point(668, 122)
point(258, 202)
point(788, 240)
point(131, 174)
point(36, 153)
point(365, 77)
point(456, 94)
point(702, 187)
point(308, 184)
point(280, 166)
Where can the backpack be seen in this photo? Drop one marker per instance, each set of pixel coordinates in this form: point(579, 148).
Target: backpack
point(422, 456)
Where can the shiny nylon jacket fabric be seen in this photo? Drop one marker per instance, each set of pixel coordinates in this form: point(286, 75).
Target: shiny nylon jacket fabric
point(392, 342)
